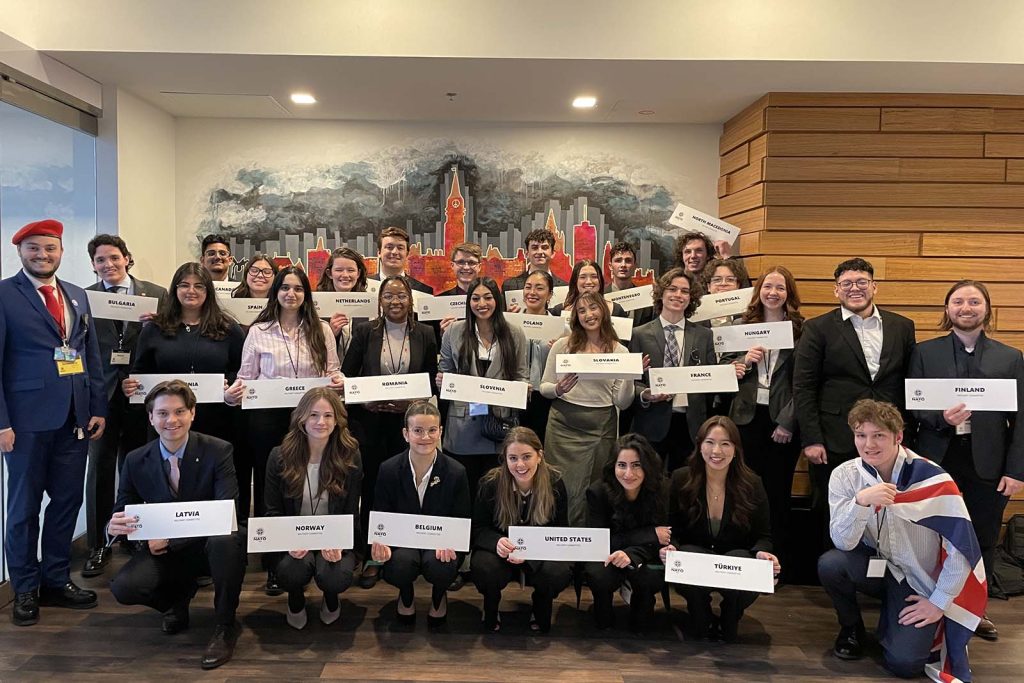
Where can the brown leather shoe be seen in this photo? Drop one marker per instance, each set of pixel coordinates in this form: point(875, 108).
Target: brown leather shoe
point(986, 629)
point(221, 645)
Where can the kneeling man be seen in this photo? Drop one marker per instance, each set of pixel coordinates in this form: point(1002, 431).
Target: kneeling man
point(902, 534)
point(180, 466)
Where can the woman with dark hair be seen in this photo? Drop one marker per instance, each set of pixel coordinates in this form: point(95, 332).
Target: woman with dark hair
point(631, 501)
point(586, 278)
point(257, 277)
point(717, 505)
point(763, 408)
point(522, 491)
point(315, 471)
point(482, 345)
point(537, 291)
point(393, 344)
point(583, 421)
point(439, 489)
point(345, 272)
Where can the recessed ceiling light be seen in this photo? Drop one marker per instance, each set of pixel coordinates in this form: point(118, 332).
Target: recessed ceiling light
point(584, 102)
point(646, 112)
point(303, 98)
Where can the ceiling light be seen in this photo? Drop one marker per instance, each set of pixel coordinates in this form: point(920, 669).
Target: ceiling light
point(303, 98)
point(584, 102)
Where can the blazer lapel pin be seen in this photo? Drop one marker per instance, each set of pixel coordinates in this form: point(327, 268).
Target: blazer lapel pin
point(435, 481)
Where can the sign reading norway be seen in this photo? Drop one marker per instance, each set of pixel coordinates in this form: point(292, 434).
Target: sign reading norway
point(310, 532)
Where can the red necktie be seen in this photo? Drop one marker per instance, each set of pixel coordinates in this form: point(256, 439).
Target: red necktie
point(54, 307)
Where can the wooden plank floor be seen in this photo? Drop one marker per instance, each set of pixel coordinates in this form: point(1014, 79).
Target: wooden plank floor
point(783, 637)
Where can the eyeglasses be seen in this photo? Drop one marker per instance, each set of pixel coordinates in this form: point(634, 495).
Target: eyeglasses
point(847, 285)
point(724, 280)
point(466, 264)
point(420, 432)
point(395, 297)
point(261, 272)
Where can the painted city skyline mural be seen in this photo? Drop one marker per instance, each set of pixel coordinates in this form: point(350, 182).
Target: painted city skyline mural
point(443, 195)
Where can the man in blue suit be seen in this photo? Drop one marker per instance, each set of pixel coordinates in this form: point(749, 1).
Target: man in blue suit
point(52, 400)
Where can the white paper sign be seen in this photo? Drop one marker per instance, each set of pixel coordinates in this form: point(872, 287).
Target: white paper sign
point(493, 392)
point(278, 393)
point(423, 532)
point(722, 304)
point(387, 388)
point(542, 327)
point(560, 543)
point(208, 387)
point(623, 326)
point(244, 310)
point(600, 365)
point(720, 571)
point(778, 335)
point(715, 228)
point(314, 532)
point(998, 395)
point(120, 306)
point(514, 297)
point(634, 298)
point(440, 307)
point(694, 379)
point(352, 304)
point(188, 519)
point(223, 288)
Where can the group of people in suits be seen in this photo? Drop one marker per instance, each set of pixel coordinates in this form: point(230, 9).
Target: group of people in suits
point(697, 472)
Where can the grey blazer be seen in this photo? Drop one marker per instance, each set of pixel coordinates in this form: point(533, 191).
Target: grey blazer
point(781, 408)
point(462, 432)
point(698, 349)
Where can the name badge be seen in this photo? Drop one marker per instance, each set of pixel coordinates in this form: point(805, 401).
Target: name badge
point(540, 327)
point(560, 543)
point(191, 519)
point(208, 387)
point(964, 428)
point(441, 307)
point(778, 335)
point(352, 304)
point(715, 228)
point(632, 299)
point(478, 409)
point(70, 367)
point(876, 568)
point(720, 571)
point(387, 388)
point(600, 365)
point(763, 396)
point(423, 532)
point(484, 391)
point(278, 393)
point(244, 310)
point(120, 357)
point(315, 532)
point(126, 307)
point(999, 395)
point(722, 304)
point(694, 379)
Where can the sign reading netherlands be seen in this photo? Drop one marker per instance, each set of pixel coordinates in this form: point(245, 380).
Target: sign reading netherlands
point(352, 304)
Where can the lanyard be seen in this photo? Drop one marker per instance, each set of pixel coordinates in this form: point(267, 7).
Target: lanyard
point(314, 503)
point(879, 527)
point(401, 352)
point(294, 362)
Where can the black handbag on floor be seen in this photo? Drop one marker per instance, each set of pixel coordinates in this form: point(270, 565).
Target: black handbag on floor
point(495, 427)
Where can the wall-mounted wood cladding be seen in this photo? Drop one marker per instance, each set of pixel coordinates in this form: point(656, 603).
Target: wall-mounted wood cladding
point(929, 188)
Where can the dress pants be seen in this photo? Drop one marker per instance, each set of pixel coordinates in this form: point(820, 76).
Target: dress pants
point(698, 599)
point(293, 575)
point(491, 574)
point(843, 574)
point(408, 563)
point(266, 430)
point(677, 446)
point(380, 437)
point(604, 580)
point(164, 581)
point(51, 462)
point(820, 475)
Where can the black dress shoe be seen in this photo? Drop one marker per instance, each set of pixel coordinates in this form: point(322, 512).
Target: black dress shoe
point(69, 595)
point(98, 560)
point(26, 609)
point(458, 583)
point(221, 645)
point(987, 630)
point(369, 577)
point(273, 588)
point(175, 619)
point(849, 643)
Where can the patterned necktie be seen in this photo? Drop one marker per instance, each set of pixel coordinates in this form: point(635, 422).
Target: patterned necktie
point(671, 346)
point(54, 307)
point(175, 475)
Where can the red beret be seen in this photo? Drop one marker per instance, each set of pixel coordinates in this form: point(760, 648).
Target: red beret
point(46, 228)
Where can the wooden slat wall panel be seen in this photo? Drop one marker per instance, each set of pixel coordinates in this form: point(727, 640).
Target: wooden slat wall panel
point(735, 160)
point(877, 145)
point(968, 244)
point(895, 194)
point(938, 120)
point(865, 243)
point(896, 219)
point(822, 118)
point(748, 124)
point(1004, 146)
point(858, 99)
point(869, 169)
point(1015, 170)
point(743, 200)
point(892, 292)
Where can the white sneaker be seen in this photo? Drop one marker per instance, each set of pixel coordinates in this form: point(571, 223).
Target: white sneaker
point(328, 617)
point(297, 620)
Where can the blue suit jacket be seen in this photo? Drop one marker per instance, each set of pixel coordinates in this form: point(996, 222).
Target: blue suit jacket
point(34, 397)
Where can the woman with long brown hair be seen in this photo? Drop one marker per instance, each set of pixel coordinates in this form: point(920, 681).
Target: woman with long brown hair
point(521, 491)
point(257, 276)
point(587, 277)
point(345, 272)
point(315, 471)
point(717, 505)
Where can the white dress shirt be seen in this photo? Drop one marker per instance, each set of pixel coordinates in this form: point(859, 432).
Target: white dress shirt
point(869, 331)
point(679, 401)
point(421, 485)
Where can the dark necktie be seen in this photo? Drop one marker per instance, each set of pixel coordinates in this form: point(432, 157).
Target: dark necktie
point(118, 324)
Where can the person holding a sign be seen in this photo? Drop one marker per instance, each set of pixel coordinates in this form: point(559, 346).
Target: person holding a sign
point(583, 422)
point(439, 489)
point(586, 278)
point(315, 471)
point(763, 408)
point(215, 252)
point(623, 267)
point(718, 506)
point(631, 500)
point(126, 424)
point(540, 249)
point(393, 344)
point(180, 465)
point(537, 291)
point(482, 345)
point(345, 272)
point(724, 275)
point(671, 421)
point(466, 260)
point(982, 450)
point(693, 249)
point(522, 491)
point(257, 276)
point(393, 258)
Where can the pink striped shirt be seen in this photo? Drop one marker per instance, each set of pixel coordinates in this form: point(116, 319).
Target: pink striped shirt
point(269, 353)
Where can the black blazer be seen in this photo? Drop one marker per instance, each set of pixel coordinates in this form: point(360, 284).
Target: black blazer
point(207, 473)
point(997, 446)
point(830, 374)
point(413, 282)
point(486, 532)
point(106, 333)
point(781, 407)
point(447, 492)
point(636, 537)
point(363, 356)
point(755, 538)
point(654, 419)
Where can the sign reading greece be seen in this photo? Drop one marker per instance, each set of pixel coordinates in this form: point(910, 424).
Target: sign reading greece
point(208, 387)
point(720, 571)
point(244, 310)
point(722, 304)
point(633, 298)
point(278, 393)
point(423, 532)
point(312, 532)
point(998, 395)
point(441, 307)
point(387, 388)
point(189, 519)
point(560, 543)
point(120, 306)
point(694, 379)
point(540, 327)
point(715, 228)
point(352, 304)
point(486, 390)
point(778, 335)
point(600, 365)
